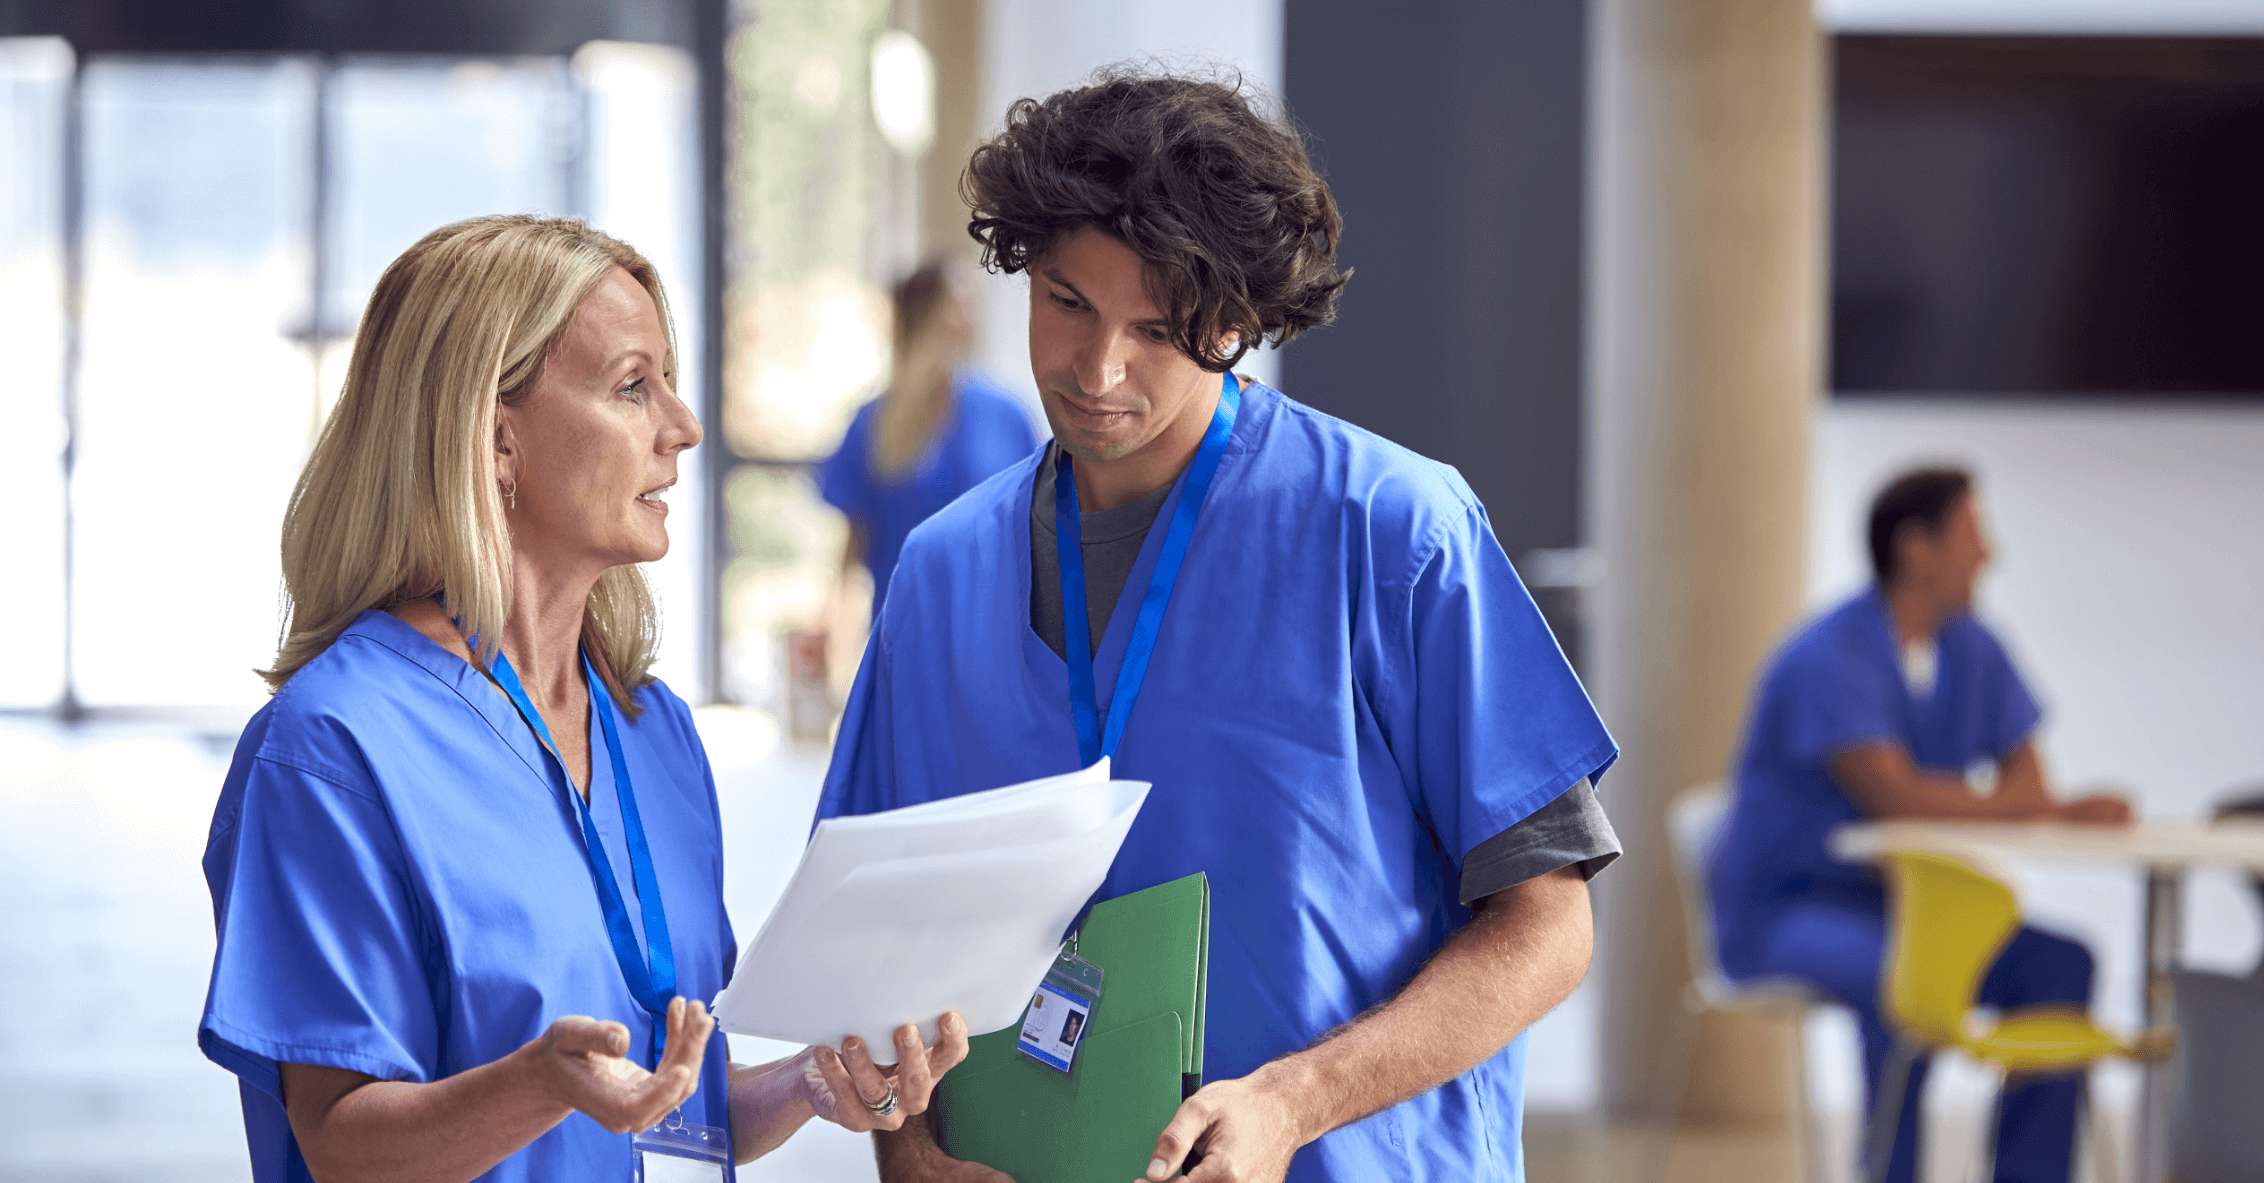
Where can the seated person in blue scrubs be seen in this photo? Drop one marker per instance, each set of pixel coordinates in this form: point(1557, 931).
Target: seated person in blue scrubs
point(1892, 705)
point(470, 817)
point(939, 430)
point(1307, 638)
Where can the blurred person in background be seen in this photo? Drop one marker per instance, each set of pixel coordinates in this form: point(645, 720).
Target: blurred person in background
point(470, 817)
point(1355, 720)
point(1895, 704)
point(939, 430)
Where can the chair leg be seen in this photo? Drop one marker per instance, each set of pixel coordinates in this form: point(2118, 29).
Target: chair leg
point(1984, 1167)
point(1808, 1141)
point(1886, 1110)
point(2105, 1167)
point(1674, 1082)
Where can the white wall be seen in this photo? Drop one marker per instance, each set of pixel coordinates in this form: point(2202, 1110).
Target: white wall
point(1035, 47)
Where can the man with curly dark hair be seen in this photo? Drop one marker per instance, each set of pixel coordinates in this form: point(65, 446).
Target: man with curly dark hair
point(1355, 721)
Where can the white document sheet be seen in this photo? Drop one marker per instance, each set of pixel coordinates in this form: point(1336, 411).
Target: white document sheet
point(959, 904)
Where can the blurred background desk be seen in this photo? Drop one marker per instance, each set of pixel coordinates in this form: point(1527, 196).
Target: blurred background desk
point(2164, 850)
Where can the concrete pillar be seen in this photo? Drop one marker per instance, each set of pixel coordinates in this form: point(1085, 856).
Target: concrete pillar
point(953, 33)
point(1706, 315)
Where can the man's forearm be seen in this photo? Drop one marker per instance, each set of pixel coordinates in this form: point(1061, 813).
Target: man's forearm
point(768, 1103)
point(1942, 797)
point(901, 1153)
point(1521, 956)
point(1881, 779)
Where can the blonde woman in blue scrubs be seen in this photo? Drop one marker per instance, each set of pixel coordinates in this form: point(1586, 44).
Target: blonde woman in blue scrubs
point(470, 819)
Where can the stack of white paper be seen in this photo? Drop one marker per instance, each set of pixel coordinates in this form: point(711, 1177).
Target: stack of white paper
point(958, 904)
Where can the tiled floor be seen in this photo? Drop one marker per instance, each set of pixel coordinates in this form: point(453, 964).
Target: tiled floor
point(768, 791)
point(107, 936)
point(107, 932)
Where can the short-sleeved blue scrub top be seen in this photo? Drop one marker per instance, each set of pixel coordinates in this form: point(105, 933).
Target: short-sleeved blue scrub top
point(984, 431)
point(1836, 685)
point(1350, 690)
point(400, 889)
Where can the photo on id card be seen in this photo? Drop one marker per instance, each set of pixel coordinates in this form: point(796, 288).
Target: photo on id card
point(1054, 1025)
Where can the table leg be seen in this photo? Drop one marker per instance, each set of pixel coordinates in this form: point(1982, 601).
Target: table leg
point(2164, 928)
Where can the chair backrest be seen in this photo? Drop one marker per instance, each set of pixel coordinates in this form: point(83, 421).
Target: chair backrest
point(2215, 1136)
point(1947, 922)
point(1693, 818)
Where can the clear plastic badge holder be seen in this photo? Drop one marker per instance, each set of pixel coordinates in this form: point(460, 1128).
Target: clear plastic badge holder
point(1054, 1025)
point(674, 1152)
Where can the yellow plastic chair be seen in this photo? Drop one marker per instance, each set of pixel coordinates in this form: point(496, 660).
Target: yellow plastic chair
point(1947, 924)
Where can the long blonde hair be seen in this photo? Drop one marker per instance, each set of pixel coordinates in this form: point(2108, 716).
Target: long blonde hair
point(920, 367)
point(400, 500)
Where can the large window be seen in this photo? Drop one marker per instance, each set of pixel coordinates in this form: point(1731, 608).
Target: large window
point(35, 79)
point(194, 403)
point(823, 216)
point(218, 223)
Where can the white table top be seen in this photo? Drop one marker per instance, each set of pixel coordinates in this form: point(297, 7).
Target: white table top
point(2156, 844)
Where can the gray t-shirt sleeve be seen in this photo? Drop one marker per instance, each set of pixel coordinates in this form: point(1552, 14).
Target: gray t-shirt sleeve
point(1569, 831)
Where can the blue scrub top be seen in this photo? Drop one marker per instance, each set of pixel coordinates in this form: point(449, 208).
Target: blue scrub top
point(984, 431)
point(1835, 685)
point(400, 889)
point(1350, 690)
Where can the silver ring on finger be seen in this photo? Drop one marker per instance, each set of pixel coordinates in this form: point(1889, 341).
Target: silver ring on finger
point(886, 1106)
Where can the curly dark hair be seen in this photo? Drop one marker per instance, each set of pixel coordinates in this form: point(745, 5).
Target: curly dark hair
point(1237, 230)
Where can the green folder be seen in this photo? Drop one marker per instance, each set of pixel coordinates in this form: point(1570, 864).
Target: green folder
point(1142, 1054)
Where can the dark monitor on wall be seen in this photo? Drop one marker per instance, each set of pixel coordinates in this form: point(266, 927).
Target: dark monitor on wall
point(2025, 216)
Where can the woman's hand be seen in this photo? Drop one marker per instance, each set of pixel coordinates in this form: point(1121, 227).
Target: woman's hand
point(843, 1087)
point(353, 1127)
point(583, 1061)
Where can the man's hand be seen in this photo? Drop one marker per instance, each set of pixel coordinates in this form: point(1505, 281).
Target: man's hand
point(585, 1064)
point(1521, 954)
point(843, 1087)
point(2096, 809)
point(1244, 1130)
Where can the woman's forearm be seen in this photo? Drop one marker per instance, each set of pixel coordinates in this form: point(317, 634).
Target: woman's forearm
point(353, 1129)
point(768, 1103)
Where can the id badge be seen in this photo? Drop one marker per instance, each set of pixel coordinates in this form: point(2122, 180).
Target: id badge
point(673, 1152)
point(1061, 1012)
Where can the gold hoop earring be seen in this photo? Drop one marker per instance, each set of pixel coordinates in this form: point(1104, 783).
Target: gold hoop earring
point(511, 495)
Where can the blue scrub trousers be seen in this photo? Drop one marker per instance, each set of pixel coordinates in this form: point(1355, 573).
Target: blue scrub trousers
point(1838, 947)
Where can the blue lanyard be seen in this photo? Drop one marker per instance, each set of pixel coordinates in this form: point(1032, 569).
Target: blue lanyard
point(1092, 741)
point(652, 987)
